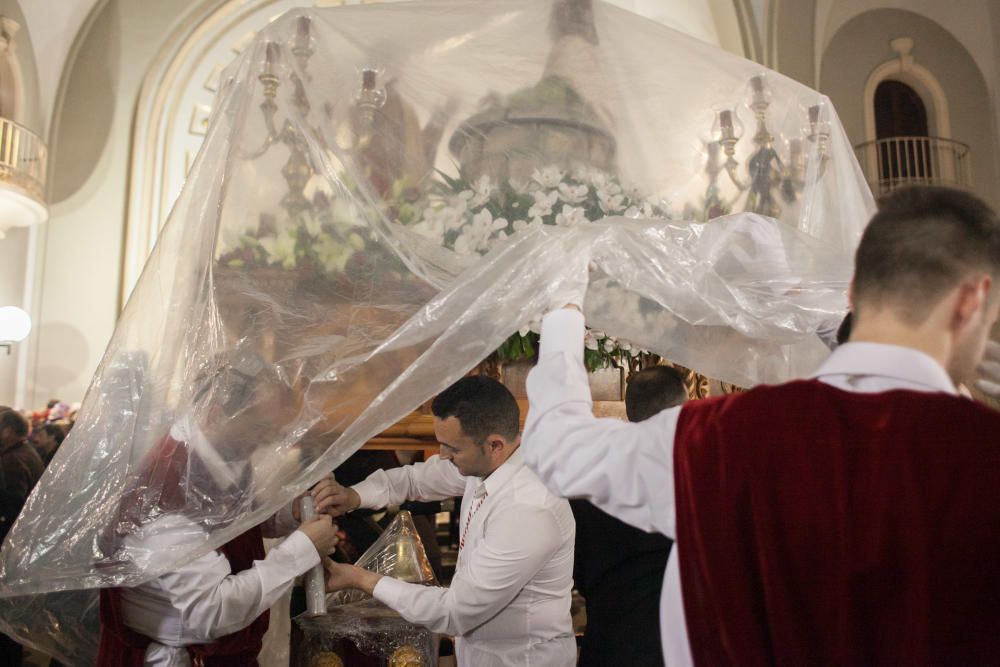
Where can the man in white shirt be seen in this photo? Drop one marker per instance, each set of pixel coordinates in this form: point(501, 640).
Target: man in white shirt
point(845, 523)
point(213, 609)
point(509, 601)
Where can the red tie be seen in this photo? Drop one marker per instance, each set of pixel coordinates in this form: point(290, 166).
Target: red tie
point(468, 520)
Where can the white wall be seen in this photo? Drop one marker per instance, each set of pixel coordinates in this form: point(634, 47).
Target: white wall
point(15, 249)
point(79, 261)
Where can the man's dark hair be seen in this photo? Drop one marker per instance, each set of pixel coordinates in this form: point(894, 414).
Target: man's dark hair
point(653, 390)
point(482, 406)
point(922, 243)
point(844, 330)
point(14, 420)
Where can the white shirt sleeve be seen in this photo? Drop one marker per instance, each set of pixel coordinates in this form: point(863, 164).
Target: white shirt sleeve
point(626, 469)
point(434, 479)
point(503, 562)
point(204, 600)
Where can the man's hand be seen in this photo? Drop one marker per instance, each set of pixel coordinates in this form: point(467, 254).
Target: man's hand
point(342, 499)
point(989, 371)
point(321, 495)
point(322, 532)
point(340, 577)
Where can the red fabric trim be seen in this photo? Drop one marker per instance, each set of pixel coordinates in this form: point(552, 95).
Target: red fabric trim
point(823, 527)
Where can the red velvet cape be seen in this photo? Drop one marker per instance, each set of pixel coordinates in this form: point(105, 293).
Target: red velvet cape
point(163, 486)
point(823, 527)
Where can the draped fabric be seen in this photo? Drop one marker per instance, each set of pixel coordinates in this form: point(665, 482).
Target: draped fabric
point(386, 195)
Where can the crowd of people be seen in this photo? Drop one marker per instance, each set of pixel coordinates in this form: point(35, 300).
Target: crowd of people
point(849, 518)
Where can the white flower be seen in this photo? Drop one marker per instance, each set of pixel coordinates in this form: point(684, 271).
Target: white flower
point(521, 225)
point(603, 182)
point(632, 212)
point(598, 333)
point(625, 346)
point(549, 177)
point(460, 202)
point(610, 203)
point(571, 215)
point(476, 235)
point(609, 345)
point(483, 189)
point(280, 248)
point(590, 342)
point(573, 194)
point(535, 325)
point(543, 204)
point(333, 255)
point(313, 224)
point(430, 228)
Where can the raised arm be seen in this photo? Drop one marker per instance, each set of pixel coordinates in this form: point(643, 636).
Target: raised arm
point(625, 469)
point(434, 479)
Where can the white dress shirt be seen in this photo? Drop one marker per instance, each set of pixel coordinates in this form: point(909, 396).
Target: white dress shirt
point(508, 603)
point(203, 600)
point(626, 469)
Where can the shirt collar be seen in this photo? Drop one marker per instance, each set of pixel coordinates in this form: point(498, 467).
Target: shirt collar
point(501, 475)
point(905, 364)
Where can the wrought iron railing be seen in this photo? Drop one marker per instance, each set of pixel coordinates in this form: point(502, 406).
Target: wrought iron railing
point(897, 161)
point(22, 159)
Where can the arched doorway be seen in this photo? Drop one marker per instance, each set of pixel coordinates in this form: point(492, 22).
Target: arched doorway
point(900, 116)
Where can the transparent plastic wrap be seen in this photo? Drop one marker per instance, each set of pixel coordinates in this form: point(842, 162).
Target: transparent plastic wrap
point(398, 553)
point(358, 630)
point(386, 194)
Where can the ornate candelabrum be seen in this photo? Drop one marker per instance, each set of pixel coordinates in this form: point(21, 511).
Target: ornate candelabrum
point(768, 176)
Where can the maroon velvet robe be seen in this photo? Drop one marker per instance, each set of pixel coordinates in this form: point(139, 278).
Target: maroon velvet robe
point(823, 527)
point(173, 479)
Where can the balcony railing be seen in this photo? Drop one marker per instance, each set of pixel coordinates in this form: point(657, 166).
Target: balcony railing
point(22, 159)
point(897, 161)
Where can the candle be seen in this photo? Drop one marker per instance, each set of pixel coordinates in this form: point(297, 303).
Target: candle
point(759, 92)
point(302, 32)
point(270, 58)
point(368, 79)
point(726, 123)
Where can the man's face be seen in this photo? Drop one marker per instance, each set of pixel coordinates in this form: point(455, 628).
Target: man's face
point(970, 344)
point(470, 457)
point(44, 440)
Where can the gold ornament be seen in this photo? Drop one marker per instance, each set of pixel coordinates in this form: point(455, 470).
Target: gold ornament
point(326, 659)
point(406, 656)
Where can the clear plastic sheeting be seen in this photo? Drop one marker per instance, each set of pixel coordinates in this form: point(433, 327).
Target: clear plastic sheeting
point(364, 633)
point(357, 626)
point(398, 553)
point(385, 194)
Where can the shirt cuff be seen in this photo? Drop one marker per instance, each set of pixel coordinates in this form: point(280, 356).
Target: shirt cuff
point(369, 491)
point(300, 549)
point(563, 331)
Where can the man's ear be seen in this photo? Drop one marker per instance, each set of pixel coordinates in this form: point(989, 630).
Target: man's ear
point(496, 442)
point(971, 300)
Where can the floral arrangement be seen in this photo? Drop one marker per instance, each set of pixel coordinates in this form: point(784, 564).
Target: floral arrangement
point(469, 217)
point(472, 217)
point(321, 243)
